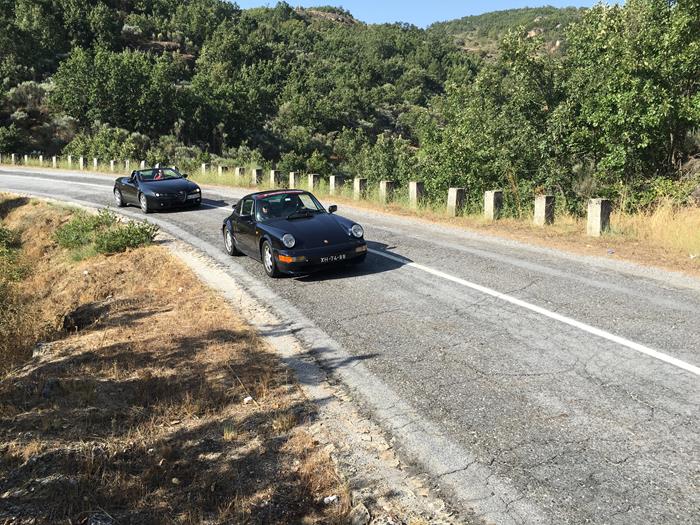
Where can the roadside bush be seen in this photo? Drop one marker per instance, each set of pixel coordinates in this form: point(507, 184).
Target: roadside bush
point(87, 234)
point(129, 235)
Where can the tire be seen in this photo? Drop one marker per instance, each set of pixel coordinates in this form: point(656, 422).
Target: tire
point(230, 243)
point(268, 260)
point(143, 201)
point(118, 199)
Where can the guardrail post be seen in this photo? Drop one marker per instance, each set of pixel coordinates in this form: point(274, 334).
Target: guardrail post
point(276, 178)
point(70, 161)
point(386, 190)
point(13, 159)
point(293, 179)
point(493, 204)
point(222, 170)
point(335, 184)
point(314, 180)
point(598, 217)
point(95, 162)
point(359, 188)
point(416, 193)
point(26, 160)
point(54, 161)
point(111, 165)
point(239, 174)
point(81, 163)
point(544, 210)
point(204, 168)
point(455, 201)
point(41, 160)
point(127, 165)
point(256, 176)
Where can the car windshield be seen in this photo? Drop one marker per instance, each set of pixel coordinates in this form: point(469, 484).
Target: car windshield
point(159, 174)
point(286, 205)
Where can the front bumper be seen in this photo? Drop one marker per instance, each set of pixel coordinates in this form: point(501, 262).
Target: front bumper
point(315, 259)
point(169, 203)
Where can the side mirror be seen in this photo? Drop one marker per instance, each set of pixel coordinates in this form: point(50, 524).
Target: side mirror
point(332, 208)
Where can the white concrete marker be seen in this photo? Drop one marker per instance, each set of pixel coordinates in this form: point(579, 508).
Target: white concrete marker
point(552, 315)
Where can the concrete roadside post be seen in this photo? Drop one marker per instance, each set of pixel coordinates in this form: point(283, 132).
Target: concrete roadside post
point(26, 160)
point(598, 217)
point(256, 176)
point(239, 174)
point(493, 204)
point(81, 162)
point(416, 193)
point(54, 161)
point(127, 166)
point(314, 180)
point(41, 160)
point(143, 165)
point(13, 159)
point(386, 190)
point(359, 188)
point(455, 201)
point(95, 162)
point(70, 161)
point(544, 210)
point(276, 179)
point(335, 184)
point(111, 165)
point(293, 179)
point(223, 170)
point(204, 168)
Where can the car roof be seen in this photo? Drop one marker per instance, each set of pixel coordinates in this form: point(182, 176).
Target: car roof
point(269, 193)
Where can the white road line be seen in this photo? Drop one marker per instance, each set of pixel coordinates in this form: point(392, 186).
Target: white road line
point(547, 313)
point(100, 186)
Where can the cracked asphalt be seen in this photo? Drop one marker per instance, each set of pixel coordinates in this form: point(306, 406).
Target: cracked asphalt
point(518, 417)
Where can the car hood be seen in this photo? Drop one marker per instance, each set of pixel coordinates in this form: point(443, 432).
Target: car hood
point(316, 231)
point(170, 186)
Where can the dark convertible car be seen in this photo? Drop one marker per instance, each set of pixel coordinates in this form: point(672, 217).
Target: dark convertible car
point(157, 189)
point(291, 232)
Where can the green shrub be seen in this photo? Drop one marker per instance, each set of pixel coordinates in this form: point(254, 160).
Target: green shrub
point(86, 235)
point(129, 235)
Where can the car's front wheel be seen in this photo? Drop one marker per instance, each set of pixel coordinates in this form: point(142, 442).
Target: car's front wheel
point(229, 243)
point(268, 260)
point(144, 203)
point(118, 199)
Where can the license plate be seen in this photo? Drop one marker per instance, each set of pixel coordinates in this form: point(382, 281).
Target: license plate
point(190, 197)
point(333, 258)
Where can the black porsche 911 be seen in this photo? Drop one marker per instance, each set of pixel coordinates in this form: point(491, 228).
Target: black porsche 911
point(157, 189)
point(289, 231)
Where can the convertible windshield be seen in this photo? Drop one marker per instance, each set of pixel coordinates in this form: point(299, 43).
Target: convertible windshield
point(159, 174)
point(280, 205)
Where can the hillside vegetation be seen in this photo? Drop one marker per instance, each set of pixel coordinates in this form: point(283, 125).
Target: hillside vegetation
point(483, 33)
point(614, 112)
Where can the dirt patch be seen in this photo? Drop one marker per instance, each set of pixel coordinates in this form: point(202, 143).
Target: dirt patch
point(149, 401)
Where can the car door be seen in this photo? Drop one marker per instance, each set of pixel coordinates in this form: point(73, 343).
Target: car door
point(130, 189)
point(244, 229)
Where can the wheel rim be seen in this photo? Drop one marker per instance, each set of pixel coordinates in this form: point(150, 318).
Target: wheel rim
point(229, 241)
point(144, 203)
point(267, 256)
point(117, 197)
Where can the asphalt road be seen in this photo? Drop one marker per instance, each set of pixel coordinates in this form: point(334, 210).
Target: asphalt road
point(534, 386)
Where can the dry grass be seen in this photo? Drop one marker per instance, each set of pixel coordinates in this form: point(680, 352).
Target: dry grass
point(139, 414)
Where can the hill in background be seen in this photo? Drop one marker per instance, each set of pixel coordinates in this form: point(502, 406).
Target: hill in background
point(482, 33)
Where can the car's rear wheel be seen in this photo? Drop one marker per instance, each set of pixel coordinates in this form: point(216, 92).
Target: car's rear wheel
point(229, 243)
point(268, 260)
point(118, 199)
point(144, 203)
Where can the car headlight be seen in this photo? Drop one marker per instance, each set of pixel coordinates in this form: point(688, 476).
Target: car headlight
point(288, 240)
point(357, 231)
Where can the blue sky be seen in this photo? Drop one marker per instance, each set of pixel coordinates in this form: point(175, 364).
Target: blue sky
point(421, 13)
